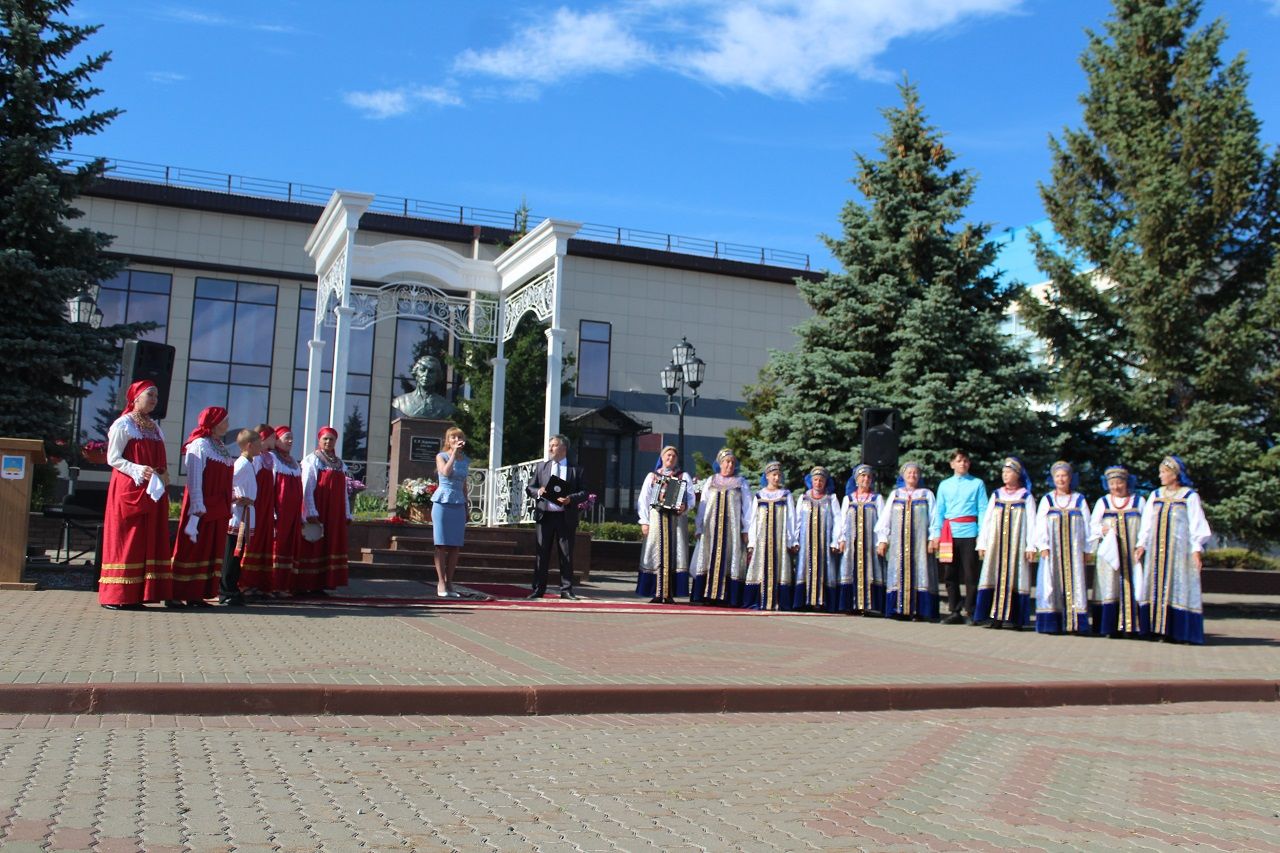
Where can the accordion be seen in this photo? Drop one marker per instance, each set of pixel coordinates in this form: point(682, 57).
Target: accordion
point(669, 494)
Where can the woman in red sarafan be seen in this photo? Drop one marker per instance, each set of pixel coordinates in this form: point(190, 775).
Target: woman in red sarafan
point(197, 562)
point(323, 564)
point(135, 529)
point(288, 507)
point(255, 564)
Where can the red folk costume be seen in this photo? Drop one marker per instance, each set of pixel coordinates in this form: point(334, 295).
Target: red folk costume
point(135, 529)
point(255, 564)
point(288, 521)
point(323, 564)
point(197, 566)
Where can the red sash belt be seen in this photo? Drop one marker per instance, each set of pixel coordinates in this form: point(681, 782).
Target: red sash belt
point(946, 550)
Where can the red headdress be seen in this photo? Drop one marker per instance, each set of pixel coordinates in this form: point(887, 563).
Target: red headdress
point(209, 418)
point(134, 392)
point(282, 431)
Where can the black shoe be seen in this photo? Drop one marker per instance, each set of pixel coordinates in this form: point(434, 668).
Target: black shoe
point(654, 600)
point(956, 618)
point(231, 602)
point(568, 594)
point(121, 607)
point(995, 623)
point(199, 602)
point(874, 614)
point(533, 595)
point(174, 604)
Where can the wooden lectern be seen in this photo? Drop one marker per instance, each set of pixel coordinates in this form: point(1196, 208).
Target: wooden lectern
point(18, 459)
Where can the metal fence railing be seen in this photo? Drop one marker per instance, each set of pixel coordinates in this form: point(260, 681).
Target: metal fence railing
point(202, 179)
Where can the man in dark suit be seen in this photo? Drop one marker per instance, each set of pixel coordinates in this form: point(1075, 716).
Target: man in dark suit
point(557, 517)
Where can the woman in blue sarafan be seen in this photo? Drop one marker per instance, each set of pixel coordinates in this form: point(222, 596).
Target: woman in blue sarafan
point(861, 588)
point(1062, 538)
point(817, 561)
point(770, 544)
point(1113, 604)
point(1171, 540)
point(902, 538)
point(1006, 550)
point(664, 560)
point(718, 566)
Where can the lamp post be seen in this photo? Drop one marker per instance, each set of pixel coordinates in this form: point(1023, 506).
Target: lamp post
point(684, 374)
point(81, 308)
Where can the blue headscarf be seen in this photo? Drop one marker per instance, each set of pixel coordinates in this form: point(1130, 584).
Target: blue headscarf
point(769, 466)
point(1015, 463)
point(851, 485)
point(902, 483)
point(1064, 466)
point(658, 465)
point(1176, 463)
point(1119, 472)
point(818, 469)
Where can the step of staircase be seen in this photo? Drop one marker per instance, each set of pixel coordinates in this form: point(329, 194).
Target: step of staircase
point(494, 546)
point(387, 556)
point(425, 571)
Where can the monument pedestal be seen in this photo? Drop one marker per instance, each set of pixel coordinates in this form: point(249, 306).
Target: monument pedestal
point(414, 445)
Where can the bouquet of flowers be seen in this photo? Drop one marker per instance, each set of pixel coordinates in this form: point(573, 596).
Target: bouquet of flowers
point(588, 505)
point(355, 487)
point(415, 492)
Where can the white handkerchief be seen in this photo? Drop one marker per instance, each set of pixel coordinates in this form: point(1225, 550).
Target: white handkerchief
point(1109, 550)
point(192, 530)
point(155, 487)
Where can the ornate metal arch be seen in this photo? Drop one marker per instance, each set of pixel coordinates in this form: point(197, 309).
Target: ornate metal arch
point(536, 296)
point(469, 319)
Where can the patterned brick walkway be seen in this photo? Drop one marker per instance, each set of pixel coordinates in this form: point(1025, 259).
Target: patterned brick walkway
point(64, 637)
point(1155, 778)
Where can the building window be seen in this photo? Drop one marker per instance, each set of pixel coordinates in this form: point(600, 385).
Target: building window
point(132, 296)
point(233, 325)
point(353, 432)
point(593, 358)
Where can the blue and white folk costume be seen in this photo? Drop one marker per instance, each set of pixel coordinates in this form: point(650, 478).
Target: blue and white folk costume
point(861, 587)
point(664, 560)
point(718, 567)
point(911, 572)
point(1117, 571)
point(1173, 529)
point(770, 584)
point(817, 564)
point(1062, 529)
point(1004, 584)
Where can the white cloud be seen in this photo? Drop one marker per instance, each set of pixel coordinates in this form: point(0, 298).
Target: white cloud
point(389, 103)
point(187, 15)
point(165, 77)
point(569, 44)
point(781, 48)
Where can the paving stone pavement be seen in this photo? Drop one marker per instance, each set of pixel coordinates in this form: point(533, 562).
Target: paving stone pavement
point(1193, 776)
point(64, 637)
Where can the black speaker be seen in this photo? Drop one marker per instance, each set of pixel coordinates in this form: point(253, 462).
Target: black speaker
point(880, 437)
point(148, 360)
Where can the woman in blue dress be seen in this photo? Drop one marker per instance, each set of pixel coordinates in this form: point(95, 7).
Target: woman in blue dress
point(902, 537)
point(1171, 539)
point(449, 509)
point(861, 589)
point(770, 544)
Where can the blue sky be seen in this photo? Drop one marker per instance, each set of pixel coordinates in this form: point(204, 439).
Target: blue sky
point(726, 120)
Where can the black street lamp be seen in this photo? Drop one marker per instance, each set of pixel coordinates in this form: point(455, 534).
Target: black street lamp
point(685, 372)
point(81, 308)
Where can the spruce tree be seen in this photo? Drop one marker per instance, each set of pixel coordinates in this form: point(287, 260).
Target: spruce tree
point(1156, 317)
point(44, 260)
point(912, 321)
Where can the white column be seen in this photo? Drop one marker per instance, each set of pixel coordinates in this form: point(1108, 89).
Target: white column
point(555, 355)
point(315, 366)
point(341, 360)
point(497, 409)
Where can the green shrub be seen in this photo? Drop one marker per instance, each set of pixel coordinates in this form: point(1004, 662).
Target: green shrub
point(368, 504)
point(616, 531)
point(44, 479)
point(1239, 558)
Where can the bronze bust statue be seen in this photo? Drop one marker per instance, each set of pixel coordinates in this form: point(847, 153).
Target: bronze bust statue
point(422, 401)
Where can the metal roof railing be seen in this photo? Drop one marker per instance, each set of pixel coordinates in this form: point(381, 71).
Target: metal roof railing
point(202, 179)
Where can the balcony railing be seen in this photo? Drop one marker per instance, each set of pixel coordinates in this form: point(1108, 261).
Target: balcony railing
point(202, 179)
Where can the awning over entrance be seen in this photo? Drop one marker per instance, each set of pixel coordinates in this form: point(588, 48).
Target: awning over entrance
point(611, 420)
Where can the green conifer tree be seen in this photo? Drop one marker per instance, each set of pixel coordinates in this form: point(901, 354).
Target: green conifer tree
point(44, 261)
point(912, 321)
point(1165, 202)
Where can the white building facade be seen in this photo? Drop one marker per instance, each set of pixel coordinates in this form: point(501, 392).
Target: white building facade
point(231, 278)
